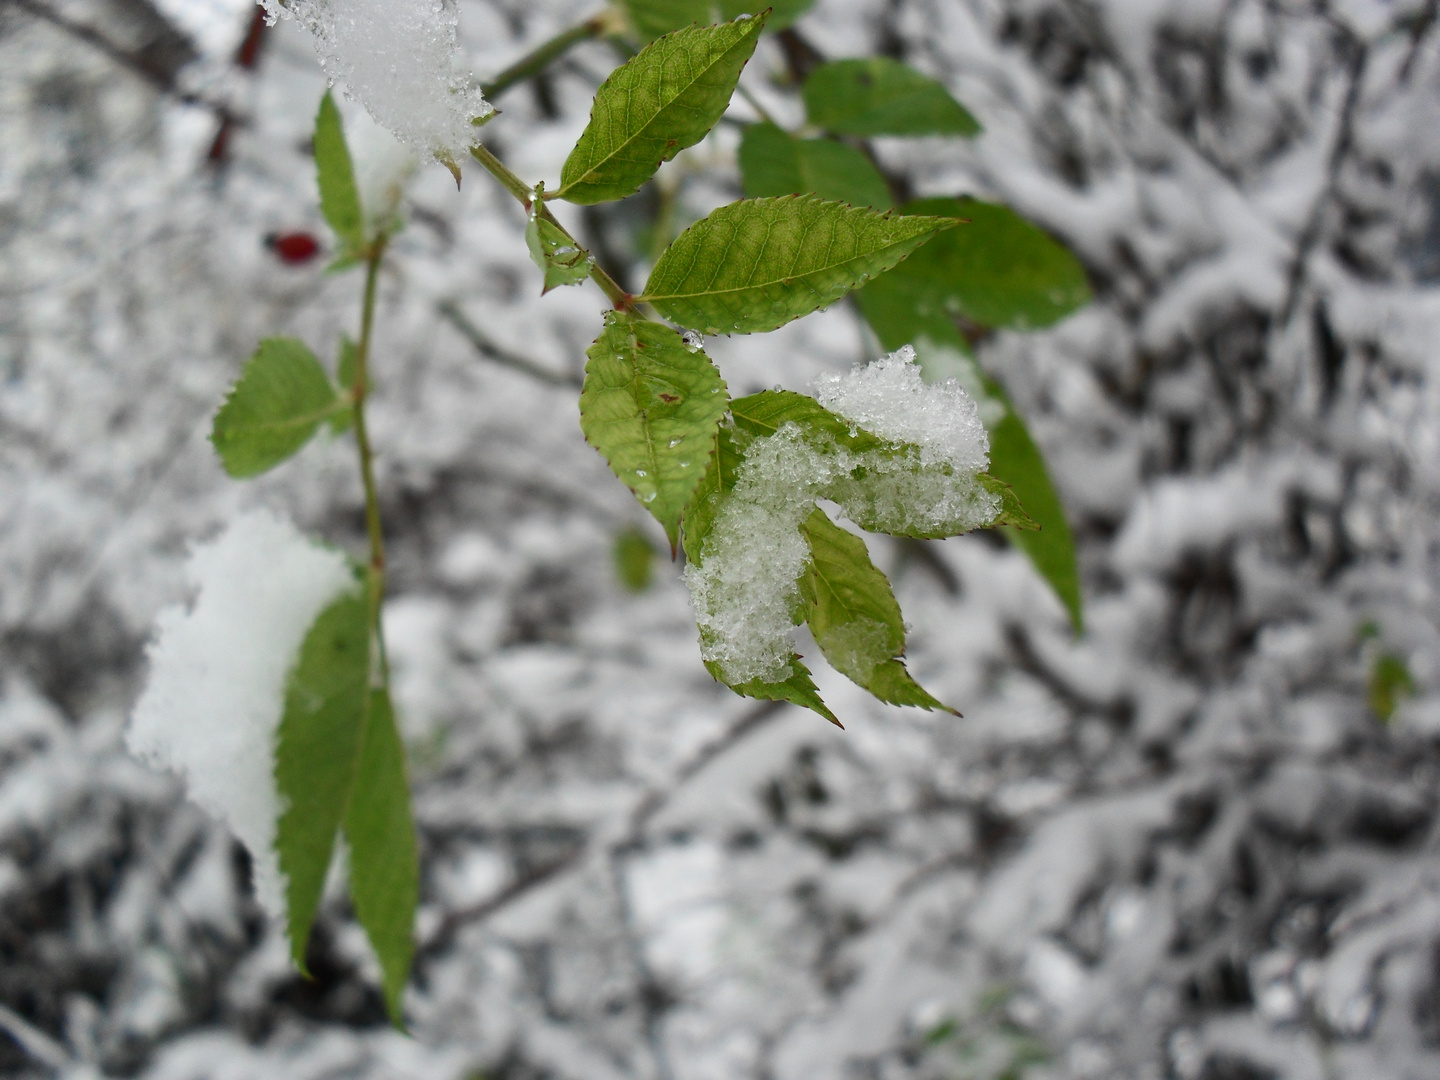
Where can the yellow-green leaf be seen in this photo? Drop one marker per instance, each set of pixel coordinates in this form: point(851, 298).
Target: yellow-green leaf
point(651, 406)
point(798, 688)
point(282, 396)
point(557, 256)
point(665, 98)
point(757, 264)
point(880, 96)
point(651, 18)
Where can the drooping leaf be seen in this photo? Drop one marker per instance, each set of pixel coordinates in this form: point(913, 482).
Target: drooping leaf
point(634, 560)
point(557, 256)
point(766, 412)
point(664, 99)
point(316, 750)
point(880, 96)
point(282, 396)
point(757, 264)
point(853, 614)
point(344, 419)
point(798, 689)
point(774, 162)
point(999, 270)
point(651, 406)
point(651, 18)
point(384, 858)
point(339, 195)
point(902, 315)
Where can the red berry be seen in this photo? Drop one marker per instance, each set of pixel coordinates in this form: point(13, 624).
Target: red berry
point(296, 248)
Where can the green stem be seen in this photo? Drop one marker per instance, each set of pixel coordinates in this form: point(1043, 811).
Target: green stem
point(360, 390)
point(535, 61)
point(754, 103)
point(526, 194)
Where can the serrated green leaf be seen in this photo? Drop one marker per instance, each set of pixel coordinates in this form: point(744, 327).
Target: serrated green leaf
point(344, 420)
point(664, 99)
point(999, 270)
point(798, 689)
point(880, 96)
point(757, 264)
point(774, 162)
point(282, 396)
point(316, 749)
point(766, 412)
point(557, 256)
point(908, 313)
point(651, 18)
point(853, 614)
point(651, 405)
point(384, 858)
point(339, 195)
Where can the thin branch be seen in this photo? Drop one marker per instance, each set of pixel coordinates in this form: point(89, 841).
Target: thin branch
point(535, 61)
point(359, 391)
point(450, 311)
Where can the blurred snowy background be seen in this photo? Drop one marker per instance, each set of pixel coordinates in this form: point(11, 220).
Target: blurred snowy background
point(1184, 846)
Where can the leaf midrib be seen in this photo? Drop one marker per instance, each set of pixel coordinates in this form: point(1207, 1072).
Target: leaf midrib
point(338, 405)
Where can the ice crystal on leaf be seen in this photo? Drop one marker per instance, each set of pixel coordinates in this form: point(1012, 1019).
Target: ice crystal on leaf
point(218, 667)
point(398, 59)
point(744, 584)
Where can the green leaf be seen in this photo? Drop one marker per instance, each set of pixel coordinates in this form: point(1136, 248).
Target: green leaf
point(798, 689)
point(282, 396)
point(651, 18)
point(651, 405)
point(339, 763)
point(634, 560)
point(766, 412)
point(1390, 684)
point(773, 162)
point(854, 616)
point(664, 99)
point(902, 308)
point(999, 270)
point(316, 749)
point(557, 256)
point(881, 96)
point(339, 195)
point(384, 858)
point(757, 264)
point(344, 419)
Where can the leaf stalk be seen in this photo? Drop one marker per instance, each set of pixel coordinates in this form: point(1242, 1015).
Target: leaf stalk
point(359, 391)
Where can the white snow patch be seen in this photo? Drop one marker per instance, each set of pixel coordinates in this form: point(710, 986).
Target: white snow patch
point(398, 58)
point(216, 690)
point(745, 583)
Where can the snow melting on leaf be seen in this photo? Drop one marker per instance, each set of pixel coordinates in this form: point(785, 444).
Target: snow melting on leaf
point(218, 670)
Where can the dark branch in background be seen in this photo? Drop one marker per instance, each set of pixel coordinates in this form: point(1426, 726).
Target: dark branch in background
point(632, 839)
point(449, 310)
point(246, 59)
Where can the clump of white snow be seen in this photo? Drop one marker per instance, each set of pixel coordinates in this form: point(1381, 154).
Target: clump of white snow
point(398, 58)
point(744, 584)
point(218, 668)
point(383, 167)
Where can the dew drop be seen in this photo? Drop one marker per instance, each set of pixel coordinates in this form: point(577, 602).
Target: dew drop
point(675, 442)
point(641, 472)
point(693, 341)
point(648, 497)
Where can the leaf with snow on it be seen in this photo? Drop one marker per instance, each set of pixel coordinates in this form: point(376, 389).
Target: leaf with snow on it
point(216, 689)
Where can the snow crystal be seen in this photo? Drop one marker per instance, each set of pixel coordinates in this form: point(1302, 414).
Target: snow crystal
point(217, 675)
point(744, 585)
point(398, 58)
point(383, 167)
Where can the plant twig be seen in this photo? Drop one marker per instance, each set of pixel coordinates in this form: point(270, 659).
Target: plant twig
point(360, 390)
point(525, 194)
point(449, 310)
point(538, 58)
